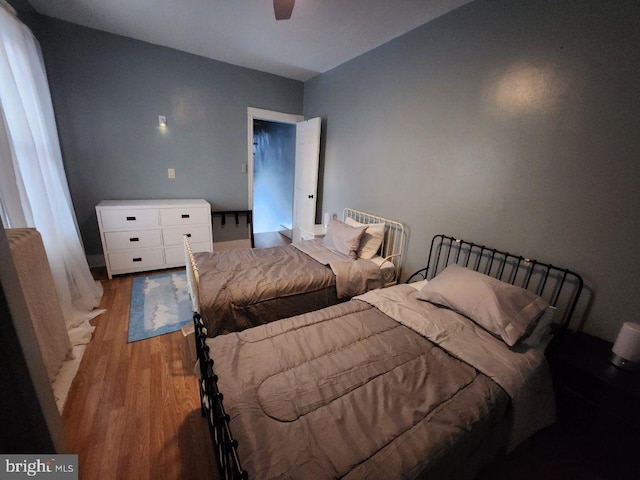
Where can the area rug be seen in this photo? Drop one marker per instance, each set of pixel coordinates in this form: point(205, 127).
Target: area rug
point(159, 304)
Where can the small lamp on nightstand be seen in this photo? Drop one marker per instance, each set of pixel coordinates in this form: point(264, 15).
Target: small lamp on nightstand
point(626, 350)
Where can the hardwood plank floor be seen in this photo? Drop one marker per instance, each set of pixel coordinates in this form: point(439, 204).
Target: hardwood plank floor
point(133, 410)
point(270, 239)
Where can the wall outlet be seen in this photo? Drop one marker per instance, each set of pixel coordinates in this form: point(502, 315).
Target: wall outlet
point(244, 168)
point(171, 173)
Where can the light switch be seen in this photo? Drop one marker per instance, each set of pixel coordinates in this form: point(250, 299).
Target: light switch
point(172, 173)
point(244, 168)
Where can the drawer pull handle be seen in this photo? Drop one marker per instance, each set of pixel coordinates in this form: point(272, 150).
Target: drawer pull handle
point(188, 234)
point(185, 215)
point(137, 259)
point(130, 219)
point(134, 239)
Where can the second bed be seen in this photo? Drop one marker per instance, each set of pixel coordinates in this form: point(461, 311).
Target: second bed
point(238, 289)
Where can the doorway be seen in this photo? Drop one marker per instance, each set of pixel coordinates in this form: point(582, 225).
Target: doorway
point(274, 154)
point(269, 125)
point(306, 152)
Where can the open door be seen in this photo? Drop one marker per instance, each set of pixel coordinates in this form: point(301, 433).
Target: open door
point(306, 174)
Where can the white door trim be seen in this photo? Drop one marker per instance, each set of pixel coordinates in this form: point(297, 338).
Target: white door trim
point(260, 114)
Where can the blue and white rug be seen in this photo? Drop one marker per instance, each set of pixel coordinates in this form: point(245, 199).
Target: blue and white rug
point(159, 304)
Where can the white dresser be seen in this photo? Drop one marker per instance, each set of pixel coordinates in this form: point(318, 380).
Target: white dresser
point(140, 235)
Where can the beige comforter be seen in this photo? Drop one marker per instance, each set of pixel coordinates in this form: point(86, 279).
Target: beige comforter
point(353, 277)
point(243, 288)
point(349, 392)
point(524, 374)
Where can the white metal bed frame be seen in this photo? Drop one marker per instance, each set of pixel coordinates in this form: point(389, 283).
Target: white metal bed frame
point(393, 242)
point(392, 250)
point(193, 275)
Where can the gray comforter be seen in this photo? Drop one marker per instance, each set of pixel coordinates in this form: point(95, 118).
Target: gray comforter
point(244, 288)
point(351, 392)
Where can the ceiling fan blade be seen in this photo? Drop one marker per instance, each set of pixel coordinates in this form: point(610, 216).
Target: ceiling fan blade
point(283, 9)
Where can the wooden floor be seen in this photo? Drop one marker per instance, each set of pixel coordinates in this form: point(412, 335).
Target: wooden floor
point(270, 239)
point(133, 410)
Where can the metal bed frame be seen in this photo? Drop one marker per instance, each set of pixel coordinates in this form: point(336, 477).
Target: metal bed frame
point(550, 282)
point(393, 243)
point(193, 275)
point(559, 286)
point(212, 408)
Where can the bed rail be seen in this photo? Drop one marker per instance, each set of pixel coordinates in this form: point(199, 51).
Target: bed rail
point(394, 242)
point(193, 275)
point(559, 286)
point(212, 408)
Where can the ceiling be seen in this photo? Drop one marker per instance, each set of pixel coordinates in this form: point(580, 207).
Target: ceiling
point(320, 35)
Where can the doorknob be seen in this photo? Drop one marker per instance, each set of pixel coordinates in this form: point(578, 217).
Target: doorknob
point(310, 196)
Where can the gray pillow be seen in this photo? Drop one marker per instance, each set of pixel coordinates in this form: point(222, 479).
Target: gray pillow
point(372, 238)
point(342, 238)
point(505, 310)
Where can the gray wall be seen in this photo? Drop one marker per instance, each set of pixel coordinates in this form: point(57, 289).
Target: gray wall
point(513, 124)
point(108, 91)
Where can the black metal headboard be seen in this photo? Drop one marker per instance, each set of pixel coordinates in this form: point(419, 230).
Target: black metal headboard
point(559, 286)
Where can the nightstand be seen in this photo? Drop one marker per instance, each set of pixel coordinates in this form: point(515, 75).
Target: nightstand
point(588, 384)
point(309, 232)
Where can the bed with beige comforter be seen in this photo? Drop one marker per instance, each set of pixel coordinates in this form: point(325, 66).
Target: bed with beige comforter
point(240, 289)
point(384, 386)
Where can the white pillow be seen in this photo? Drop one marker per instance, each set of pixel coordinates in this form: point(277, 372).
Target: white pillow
point(505, 310)
point(372, 238)
point(541, 335)
point(343, 238)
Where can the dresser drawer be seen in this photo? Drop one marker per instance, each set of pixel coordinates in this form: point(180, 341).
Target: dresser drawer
point(176, 256)
point(133, 239)
point(136, 259)
point(118, 219)
point(197, 234)
point(184, 216)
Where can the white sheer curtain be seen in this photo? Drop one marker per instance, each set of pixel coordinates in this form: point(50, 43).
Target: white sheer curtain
point(33, 185)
